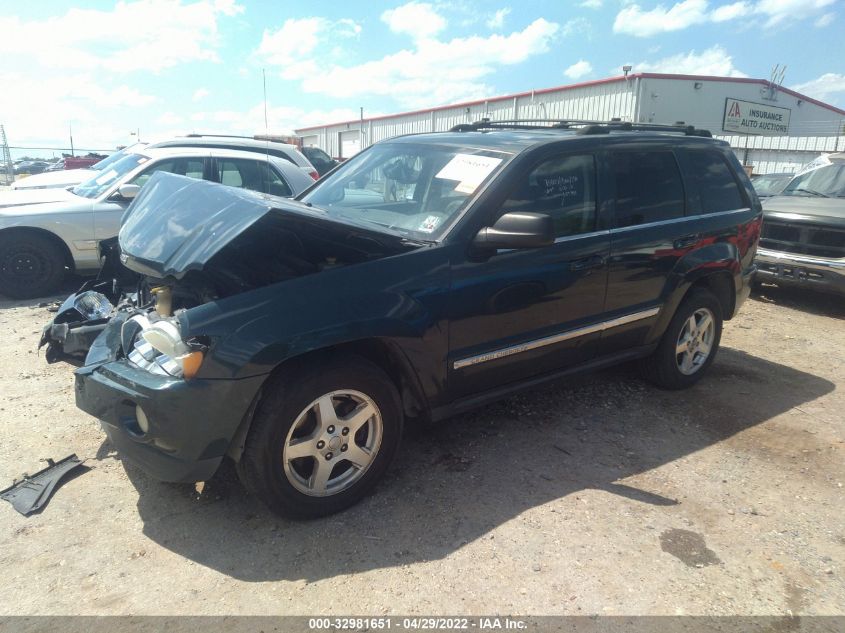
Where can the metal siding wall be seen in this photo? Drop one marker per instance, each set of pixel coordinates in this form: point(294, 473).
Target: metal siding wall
point(781, 154)
point(600, 102)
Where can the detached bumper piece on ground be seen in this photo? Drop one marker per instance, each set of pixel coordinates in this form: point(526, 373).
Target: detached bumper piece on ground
point(33, 492)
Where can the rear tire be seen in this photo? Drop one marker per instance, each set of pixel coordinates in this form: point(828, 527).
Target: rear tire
point(689, 344)
point(30, 266)
point(322, 437)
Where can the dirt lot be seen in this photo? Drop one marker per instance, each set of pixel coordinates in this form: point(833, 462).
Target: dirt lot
point(601, 495)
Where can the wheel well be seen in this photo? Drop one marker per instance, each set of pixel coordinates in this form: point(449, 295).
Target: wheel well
point(55, 239)
point(381, 353)
point(722, 287)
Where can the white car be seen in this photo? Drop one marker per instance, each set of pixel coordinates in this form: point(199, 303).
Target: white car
point(69, 177)
point(46, 232)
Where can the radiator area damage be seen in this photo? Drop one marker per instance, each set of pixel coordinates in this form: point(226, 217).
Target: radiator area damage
point(186, 242)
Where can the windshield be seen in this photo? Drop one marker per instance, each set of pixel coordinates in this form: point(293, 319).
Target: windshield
point(770, 185)
point(411, 189)
point(98, 183)
point(824, 182)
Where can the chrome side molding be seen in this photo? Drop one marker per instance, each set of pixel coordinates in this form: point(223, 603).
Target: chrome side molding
point(555, 338)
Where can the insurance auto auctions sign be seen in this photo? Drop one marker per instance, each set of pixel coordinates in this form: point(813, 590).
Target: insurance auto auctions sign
point(755, 118)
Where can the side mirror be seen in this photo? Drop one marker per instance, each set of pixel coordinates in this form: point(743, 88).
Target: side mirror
point(517, 230)
point(127, 191)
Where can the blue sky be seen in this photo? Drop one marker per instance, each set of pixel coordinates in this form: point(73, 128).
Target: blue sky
point(174, 66)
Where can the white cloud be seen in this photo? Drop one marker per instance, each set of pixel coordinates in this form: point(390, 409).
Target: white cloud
point(825, 20)
point(778, 11)
point(823, 87)
point(169, 118)
point(417, 19)
point(297, 39)
point(497, 20)
point(40, 111)
point(432, 72)
point(730, 11)
point(136, 35)
point(200, 94)
point(591, 4)
point(282, 119)
point(579, 69)
point(632, 19)
point(712, 61)
point(576, 25)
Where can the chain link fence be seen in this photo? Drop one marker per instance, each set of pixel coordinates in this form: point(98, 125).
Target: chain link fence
point(7, 168)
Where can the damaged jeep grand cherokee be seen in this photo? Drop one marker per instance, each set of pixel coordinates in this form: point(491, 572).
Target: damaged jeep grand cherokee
point(428, 275)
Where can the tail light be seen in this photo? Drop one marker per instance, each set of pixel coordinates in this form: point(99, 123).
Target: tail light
point(314, 174)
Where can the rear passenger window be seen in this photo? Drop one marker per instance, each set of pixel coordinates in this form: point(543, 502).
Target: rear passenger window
point(563, 187)
point(251, 174)
point(713, 180)
point(648, 187)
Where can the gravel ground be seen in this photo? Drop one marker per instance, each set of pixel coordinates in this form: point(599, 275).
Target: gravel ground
point(598, 495)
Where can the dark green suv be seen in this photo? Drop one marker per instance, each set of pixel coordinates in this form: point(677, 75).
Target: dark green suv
point(427, 275)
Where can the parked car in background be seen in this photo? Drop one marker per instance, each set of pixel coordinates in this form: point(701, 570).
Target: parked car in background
point(82, 162)
point(298, 337)
point(321, 161)
point(767, 185)
point(31, 167)
point(284, 151)
point(47, 232)
point(63, 178)
point(803, 239)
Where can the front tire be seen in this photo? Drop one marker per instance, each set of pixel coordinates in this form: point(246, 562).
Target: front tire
point(689, 344)
point(322, 438)
point(30, 266)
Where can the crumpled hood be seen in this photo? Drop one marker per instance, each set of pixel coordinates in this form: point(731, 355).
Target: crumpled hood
point(25, 197)
point(51, 179)
point(816, 210)
point(177, 224)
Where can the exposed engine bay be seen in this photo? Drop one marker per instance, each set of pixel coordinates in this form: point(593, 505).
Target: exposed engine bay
point(273, 248)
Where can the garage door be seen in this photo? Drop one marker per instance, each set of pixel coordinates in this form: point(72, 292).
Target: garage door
point(350, 143)
point(311, 141)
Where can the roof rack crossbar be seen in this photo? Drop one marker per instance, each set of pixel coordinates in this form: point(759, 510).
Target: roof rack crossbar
point(583, 126)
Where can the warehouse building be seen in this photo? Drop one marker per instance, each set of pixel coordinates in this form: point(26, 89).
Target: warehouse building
point(763, 121)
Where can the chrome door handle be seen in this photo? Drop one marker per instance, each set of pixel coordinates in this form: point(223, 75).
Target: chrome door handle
point(686, 241)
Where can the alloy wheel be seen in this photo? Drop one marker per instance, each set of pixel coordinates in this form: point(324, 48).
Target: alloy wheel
point(332, 443)
point(695, 341)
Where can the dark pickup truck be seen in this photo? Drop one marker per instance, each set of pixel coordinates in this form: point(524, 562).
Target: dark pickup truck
point(803, 241)
point(427, 275)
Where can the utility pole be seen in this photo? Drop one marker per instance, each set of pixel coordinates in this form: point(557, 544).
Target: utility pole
point(70, 129)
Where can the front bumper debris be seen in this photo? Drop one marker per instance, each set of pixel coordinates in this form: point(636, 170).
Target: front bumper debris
point(34, 491)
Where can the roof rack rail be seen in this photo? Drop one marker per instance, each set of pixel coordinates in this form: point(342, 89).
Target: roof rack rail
point(581, 126)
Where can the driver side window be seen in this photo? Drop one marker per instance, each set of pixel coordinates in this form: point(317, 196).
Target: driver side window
point(563, 187)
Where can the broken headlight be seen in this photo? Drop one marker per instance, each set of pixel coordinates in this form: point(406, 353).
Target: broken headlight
point(160, 349)
point(93, 305)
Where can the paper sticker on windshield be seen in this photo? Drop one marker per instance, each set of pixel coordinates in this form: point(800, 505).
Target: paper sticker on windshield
point(111, 173)
point(469, 170)
point(429, 224)
point(821, 161)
